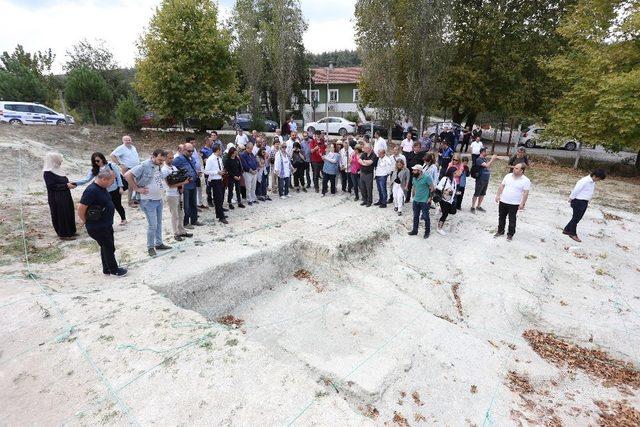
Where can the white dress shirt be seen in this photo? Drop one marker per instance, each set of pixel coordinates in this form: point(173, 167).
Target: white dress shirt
point(380, 144)
point(407, 145)
point(385, 166)
point(213, 169)
point(584, 189)
point(475, 147)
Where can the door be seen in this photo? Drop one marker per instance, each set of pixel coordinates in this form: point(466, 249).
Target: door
point(47, 116)
point(25, 112)
point(334, 125)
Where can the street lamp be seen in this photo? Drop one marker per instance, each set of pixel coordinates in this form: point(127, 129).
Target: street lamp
point(326, 120)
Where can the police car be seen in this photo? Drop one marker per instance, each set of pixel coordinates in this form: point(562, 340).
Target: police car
point(29, 113)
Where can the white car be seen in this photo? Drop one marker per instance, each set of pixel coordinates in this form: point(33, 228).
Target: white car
point(532, 138)
point(29, 113)
point(335, 125)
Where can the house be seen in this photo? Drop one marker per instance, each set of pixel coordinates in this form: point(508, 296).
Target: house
point(339, 86)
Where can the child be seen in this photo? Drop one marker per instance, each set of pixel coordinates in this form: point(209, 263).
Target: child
point(399, 185)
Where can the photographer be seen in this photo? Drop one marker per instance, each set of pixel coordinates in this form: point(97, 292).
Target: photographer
point(174, 193)
point(96, 211)
point(215, 174)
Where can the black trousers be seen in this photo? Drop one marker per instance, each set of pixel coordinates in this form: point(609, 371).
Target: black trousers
point(579, 208)
point(317, 170)
point(298, 176)
point(231, 184)
point(217, 188)
point(366, 187)
point(459, 197)
point(445, 208)
point(190, 206)
point(209, 190)
point(504, 210)
point(104, 237)
point(116, 198)
point(345, 181)
point(326, 178)
point(355, 183)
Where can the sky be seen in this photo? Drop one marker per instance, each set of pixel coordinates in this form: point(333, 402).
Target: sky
point(59, 24)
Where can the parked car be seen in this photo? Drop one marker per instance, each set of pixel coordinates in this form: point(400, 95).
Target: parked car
point(334, 125)
point(396, 131)
point(532, 137)
point(29, 113)
point(436, 128)
point(243, 121)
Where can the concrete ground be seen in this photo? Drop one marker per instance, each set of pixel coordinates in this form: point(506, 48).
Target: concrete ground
point(317, 311)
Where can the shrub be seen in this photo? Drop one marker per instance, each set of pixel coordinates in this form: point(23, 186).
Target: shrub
point(128, 113)
point(352, 117)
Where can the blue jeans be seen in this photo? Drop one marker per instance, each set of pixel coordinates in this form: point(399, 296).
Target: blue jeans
point(261, 187)
point(424, 208)
point(381, 182)
point(190, 206)
point(283, 186)
point(153, 210)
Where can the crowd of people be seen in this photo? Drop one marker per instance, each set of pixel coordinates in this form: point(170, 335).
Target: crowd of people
point(225, 176)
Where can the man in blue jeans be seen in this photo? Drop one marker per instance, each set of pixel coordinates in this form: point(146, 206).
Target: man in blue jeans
point(187, 162)
point(147, 180)
point(422, 187)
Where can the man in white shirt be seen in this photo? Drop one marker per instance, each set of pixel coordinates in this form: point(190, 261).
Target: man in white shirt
point(579, 200)
point(345, 166)
point(214, 171)
point(241, 138)
point(126, 156)
point(293, 138)
point(383, 170)
point(293, 126)
point(279, 135)
point(379, 144)
point(407, 144)
point(173, 200)
point(511, 197)
point(476, 145)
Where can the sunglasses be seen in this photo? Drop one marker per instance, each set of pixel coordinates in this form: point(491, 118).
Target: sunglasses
point(189, 151)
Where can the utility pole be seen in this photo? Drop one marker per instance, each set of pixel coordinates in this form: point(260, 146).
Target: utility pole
point(64, 108)
point(326, 121)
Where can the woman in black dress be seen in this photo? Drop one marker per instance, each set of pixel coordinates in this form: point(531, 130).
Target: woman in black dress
point(60, 202)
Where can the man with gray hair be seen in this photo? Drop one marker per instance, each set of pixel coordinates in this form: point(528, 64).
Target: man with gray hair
point(126, 156)
point(147, 179)
point(96, 211)
point(368, 161)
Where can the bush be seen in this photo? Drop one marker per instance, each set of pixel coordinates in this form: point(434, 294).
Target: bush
point(128, 113)
point(352, 117)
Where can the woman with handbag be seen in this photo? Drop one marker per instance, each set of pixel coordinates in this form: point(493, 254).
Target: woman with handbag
point(446, 190)
point(116, 190)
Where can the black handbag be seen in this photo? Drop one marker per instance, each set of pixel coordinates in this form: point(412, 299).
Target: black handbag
point(176, 177)
point(95, 212)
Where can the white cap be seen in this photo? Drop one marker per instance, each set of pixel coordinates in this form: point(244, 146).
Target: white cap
point(417, 168)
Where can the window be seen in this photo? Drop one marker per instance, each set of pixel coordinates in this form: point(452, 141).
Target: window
point(23, 108)
point(42, 110)
point(315, 95)
point(323, 120)
point(356, 95)
point(333, 95)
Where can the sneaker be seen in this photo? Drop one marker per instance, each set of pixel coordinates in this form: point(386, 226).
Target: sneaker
point(198, 224)
point(189, 227)
point(287, 196)
point(231, 207)
point(241, 206)
point(509, 237)
point(186, 235)
point(473, 210)
point(480, 209)
point(163, 247)
point(282, 197)
point(120, 272)
point(178, 238)
point(250, 203)
point(363, 203)
point(412, 233)
point(442, 232)
point(224, 221)
point(498, 234)
point(152, 252)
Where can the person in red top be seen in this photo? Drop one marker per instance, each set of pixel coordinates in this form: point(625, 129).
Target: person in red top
point(318, 148)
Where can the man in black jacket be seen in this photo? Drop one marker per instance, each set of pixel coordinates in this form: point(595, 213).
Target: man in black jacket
point(414, 157)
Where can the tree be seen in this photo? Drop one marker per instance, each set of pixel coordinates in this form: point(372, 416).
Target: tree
point(268, 45)
point(129, 113)
point(599, 70)
point(494, 66)
point(85, 88)
point(403, 59)
point(185, 68)
point(339, 58)
point(25, 76)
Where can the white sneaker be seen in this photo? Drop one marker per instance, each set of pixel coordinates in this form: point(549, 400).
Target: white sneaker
point(282, 197)
point(287, 196)
point(441, 231)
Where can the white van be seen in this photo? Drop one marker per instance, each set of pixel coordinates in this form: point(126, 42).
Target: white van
point(29, 113)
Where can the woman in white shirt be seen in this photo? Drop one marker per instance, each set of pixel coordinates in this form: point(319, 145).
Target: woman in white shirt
point(282, 169)
point(447, 187)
